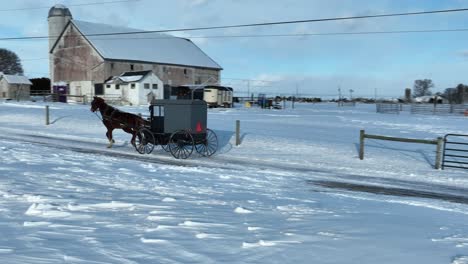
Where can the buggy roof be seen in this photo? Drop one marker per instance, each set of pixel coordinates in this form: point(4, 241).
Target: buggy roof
point(177, 102)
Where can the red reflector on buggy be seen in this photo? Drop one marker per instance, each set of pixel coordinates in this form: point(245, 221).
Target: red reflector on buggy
point(199, 127)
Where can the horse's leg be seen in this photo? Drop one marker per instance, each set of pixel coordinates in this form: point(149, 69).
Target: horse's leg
point(109, 136)
point(133, 137)
point(131, 131)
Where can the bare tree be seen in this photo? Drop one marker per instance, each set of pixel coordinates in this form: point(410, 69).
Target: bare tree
point(422, 87)
point(10, 62)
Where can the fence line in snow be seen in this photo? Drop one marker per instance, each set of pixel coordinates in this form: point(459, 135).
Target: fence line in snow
point(439, 142)
point(423, 109)
point(389, 108)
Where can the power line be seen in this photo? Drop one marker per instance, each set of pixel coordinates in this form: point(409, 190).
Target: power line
point(303, 34)
point(34, 59)
point(84, 4)
point(253, 25)
point(246, 79)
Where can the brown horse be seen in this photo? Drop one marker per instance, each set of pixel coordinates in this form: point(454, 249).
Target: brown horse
point(113, 118)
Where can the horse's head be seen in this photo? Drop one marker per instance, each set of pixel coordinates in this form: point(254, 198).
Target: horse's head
point(96, 103)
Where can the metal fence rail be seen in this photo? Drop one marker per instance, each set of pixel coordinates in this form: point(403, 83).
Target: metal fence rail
point(438, 109)
point(388, 108)
point(455, 153)
point(349, 104)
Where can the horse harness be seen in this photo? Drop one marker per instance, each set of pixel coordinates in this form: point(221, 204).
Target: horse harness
point(110, 117)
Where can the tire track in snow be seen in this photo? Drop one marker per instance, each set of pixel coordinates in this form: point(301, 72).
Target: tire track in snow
point(391, 191)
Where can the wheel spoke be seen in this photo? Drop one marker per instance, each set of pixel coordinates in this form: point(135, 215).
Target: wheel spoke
point(209, 145)
point(145, 141)
point(181, 144)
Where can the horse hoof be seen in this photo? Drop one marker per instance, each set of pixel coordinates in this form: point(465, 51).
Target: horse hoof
point(110, 146)
point(113, 141)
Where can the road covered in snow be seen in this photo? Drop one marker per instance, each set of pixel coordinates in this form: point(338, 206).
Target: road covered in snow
point(294, 191)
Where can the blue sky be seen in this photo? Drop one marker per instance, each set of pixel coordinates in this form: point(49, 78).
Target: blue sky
point(315, 65)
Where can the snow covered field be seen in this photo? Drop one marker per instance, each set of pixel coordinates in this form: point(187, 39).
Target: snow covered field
point(294, 191)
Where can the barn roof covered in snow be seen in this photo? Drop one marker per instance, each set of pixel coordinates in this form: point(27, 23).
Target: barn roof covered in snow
point(15, 79)
point(128, 77)
point(144, 47)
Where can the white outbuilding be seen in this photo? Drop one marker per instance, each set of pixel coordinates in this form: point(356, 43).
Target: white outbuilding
point(16, 87)
point(136, 87)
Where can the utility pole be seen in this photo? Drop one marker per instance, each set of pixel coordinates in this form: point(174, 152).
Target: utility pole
point(339, 95)
point(351, 94)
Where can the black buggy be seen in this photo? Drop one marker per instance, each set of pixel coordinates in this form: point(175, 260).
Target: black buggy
point(179, 126)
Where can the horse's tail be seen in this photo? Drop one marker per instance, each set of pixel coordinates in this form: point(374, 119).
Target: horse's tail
point(140, 121)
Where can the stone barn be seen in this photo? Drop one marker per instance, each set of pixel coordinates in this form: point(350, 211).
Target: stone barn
point(85, 61)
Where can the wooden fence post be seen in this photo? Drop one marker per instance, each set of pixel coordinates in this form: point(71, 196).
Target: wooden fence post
point(361, 144)
point(47, 120)
point(238, 141)
point(438, 161)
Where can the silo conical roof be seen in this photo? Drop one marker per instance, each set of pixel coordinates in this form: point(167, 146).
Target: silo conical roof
point(59, 10)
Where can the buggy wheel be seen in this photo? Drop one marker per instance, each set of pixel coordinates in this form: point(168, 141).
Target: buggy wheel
point(181, 144)
point(144, 142)
point(209, 145)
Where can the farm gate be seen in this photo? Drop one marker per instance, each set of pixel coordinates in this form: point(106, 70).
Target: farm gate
point(455, 153)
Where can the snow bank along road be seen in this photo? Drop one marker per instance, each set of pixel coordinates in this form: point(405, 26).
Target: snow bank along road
point(65, 198)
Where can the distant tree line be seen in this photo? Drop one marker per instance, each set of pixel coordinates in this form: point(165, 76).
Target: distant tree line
point(457, 95)
point(422, 87)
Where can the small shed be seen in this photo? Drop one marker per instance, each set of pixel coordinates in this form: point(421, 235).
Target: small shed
point(16, 87)
point(136, 87)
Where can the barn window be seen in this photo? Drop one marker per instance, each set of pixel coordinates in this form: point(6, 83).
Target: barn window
point(185, 71)
point(132, 86)
point(112, 66)
point(132, 67)
point(155, 86)
point(147, 85)
point(117, 86)
point(108, 86)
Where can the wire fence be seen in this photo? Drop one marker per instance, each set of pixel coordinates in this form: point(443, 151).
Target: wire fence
point(439, 109)
point(388, 108)
point(348, 104)
point(423, 109)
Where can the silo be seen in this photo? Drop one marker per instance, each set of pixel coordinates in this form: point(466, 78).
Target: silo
point(59, 16)
point(408, 95)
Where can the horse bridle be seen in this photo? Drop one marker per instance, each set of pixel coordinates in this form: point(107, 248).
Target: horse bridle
point(96, 110)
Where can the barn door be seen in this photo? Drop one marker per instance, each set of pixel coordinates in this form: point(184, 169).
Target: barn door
point(77, 90)
point(98, 89)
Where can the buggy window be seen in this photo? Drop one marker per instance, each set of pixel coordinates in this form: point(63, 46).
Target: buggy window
point(159, 111)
